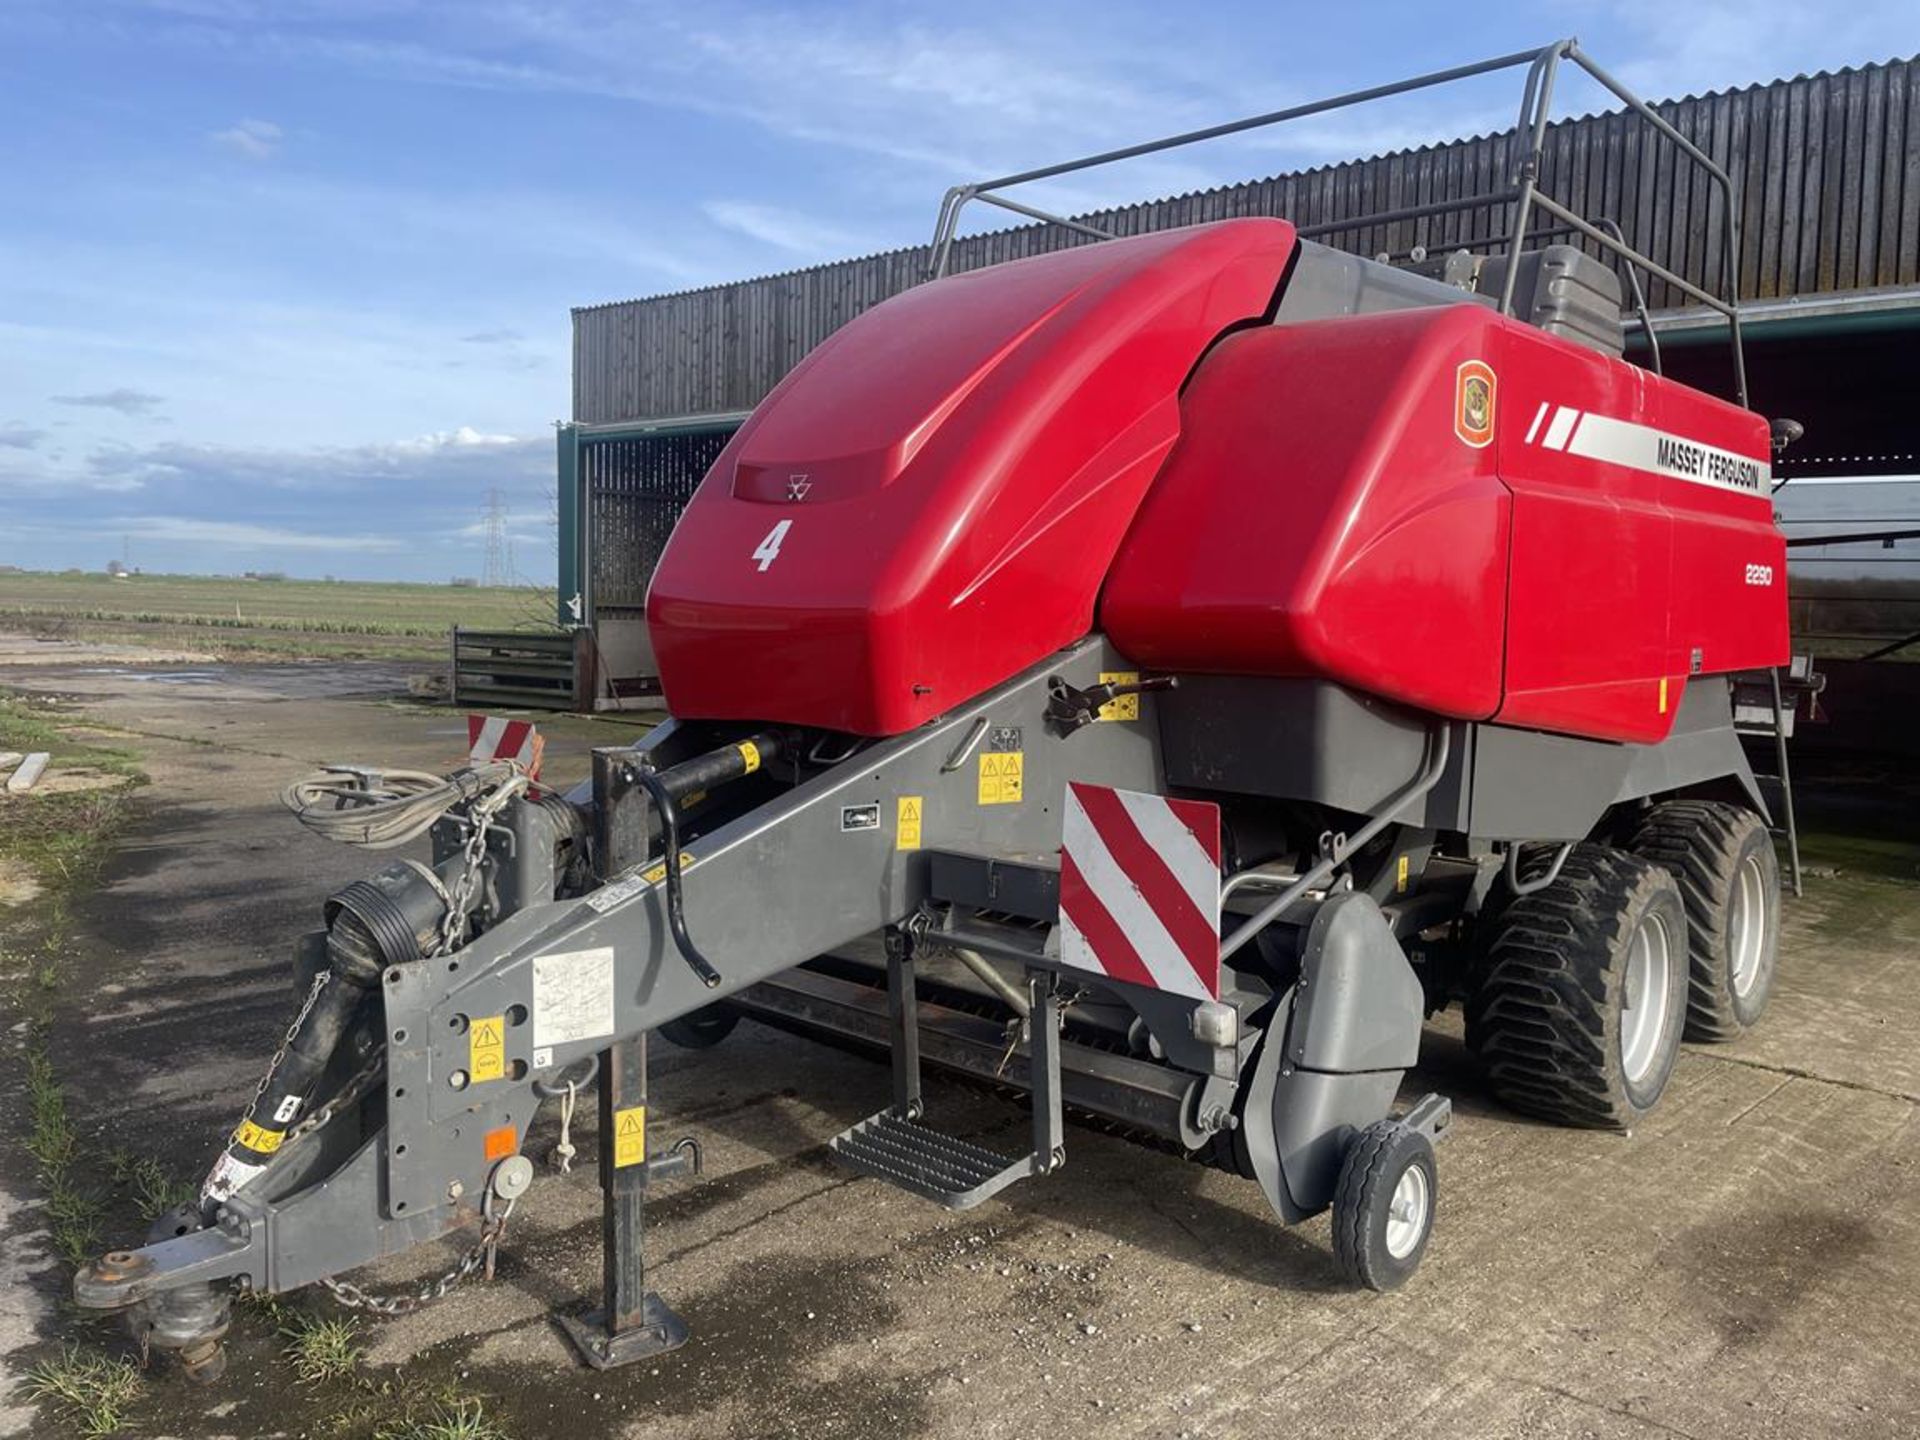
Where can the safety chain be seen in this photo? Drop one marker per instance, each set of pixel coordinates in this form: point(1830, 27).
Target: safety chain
point(479, 816)
point(480, 1254)
point(348, 1094)
point(1020, 1027)
point(286, 1040)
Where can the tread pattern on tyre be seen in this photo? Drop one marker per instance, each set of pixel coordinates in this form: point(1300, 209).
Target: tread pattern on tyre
point(1353, 1204)
point(1700, 842)
point(1541, 1017)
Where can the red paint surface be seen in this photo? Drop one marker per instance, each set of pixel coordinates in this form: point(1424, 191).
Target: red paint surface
point(973, 451)
point(1321, 517)
point(1619, 575)
point(962, 469)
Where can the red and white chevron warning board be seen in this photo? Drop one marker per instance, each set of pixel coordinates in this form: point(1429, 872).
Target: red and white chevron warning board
point(1140, 889)
point(489, 738)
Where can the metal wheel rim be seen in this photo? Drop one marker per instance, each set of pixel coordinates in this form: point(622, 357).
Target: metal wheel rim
point(1747, 925)
point(1643, 1009)
point(1408, 1210)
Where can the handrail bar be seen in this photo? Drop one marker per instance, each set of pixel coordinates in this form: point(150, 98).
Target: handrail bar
point(1526, 147)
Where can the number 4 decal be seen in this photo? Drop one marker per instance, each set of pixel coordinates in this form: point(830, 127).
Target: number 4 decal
point(769, 550)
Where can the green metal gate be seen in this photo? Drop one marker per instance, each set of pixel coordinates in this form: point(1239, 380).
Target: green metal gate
point(622, 488)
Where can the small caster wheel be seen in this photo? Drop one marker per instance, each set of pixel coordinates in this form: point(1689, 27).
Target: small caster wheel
point(1383, 1205)
point(704, 1028)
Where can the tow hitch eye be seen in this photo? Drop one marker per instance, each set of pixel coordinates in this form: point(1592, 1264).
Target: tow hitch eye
point(189, 1320)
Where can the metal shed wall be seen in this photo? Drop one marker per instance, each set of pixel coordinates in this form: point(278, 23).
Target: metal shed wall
point(1828, 168)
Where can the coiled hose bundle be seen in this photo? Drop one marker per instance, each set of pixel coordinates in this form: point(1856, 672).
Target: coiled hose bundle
point(386, 811)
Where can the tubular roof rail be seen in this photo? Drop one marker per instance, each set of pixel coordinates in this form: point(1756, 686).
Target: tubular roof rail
point(1526, 144)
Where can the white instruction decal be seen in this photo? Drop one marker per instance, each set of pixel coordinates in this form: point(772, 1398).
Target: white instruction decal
point(572, 996)
point(608, 896)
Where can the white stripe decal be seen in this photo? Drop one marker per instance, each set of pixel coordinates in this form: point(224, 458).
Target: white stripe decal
point(1175, 844)
point(1128, 907)
point(1641, 447)
point(1561, 428)
point(1073, 943)
point(1538, 416)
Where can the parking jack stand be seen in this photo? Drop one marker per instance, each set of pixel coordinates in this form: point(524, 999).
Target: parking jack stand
point(632, 1323)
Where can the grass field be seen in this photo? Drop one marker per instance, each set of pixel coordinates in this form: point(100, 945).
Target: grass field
point(263, 618)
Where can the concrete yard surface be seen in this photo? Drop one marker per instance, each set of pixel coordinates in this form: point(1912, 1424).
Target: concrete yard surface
point(1747, 1264)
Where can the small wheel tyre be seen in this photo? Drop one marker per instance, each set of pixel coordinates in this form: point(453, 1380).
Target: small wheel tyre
point(1383, 1206)
point(703, 1029)
point(1729, 876)
point(1581, 992)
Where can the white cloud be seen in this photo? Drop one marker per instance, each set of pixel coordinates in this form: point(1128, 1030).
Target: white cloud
point(124, 400)
point(783, 229)
point(255, 139)
point(193, 531)
point(463, 438)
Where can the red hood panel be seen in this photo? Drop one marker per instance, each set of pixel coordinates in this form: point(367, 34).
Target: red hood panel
point(929, 502)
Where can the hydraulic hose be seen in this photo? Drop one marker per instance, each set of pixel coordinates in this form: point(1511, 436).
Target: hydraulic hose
point(701, 773)
point(335, 803)
point(676, 906)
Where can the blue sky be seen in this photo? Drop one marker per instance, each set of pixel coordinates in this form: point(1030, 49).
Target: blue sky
point(284, 284)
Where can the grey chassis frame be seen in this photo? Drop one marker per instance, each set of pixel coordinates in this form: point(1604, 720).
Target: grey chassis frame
point(808, 871)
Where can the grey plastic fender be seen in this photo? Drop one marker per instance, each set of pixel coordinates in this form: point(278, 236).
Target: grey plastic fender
point(1332, 1059)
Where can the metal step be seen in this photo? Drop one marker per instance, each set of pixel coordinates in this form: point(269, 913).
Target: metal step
point(956, 1173)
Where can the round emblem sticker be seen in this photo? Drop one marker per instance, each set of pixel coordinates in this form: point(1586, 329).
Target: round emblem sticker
point(1473, 403)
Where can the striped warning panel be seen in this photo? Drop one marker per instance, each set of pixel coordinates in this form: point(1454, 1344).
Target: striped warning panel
point(489, 738)
point(1140, 889)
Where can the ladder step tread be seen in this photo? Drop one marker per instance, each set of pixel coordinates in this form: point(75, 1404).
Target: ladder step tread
point(955, 1172)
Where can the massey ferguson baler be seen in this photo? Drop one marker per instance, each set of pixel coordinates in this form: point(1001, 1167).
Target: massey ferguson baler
point(1156, 676)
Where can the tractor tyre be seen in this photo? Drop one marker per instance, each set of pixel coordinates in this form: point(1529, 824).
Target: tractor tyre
point(1729, 876)
point(1383, 1205)
point(702, 1029)
point(1581, 992)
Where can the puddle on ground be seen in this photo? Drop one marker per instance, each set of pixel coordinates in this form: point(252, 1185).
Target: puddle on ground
point(158, 677)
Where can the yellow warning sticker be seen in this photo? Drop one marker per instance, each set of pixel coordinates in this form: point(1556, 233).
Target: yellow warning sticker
point(259, 1139)
point(654, 874)
point(1001, 777)
point(906, 830)
point(487, 1048)
point(1400, 876)
point(750, 753)
point(1663, 694)
point(629, 1136)
point(1121, 707)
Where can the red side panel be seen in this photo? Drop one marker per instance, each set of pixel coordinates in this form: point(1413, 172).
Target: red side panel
point(1322, 516)
point(1342, 505)
point(928, 504)
point(1644, 547)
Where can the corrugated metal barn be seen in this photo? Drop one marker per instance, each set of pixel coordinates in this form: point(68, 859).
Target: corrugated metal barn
point(1828, 175)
